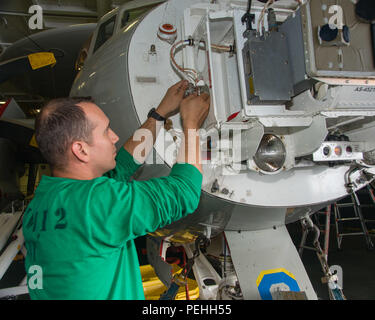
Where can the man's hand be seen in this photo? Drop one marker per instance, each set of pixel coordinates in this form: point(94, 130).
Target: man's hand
point(172, 99)
point(194, 110)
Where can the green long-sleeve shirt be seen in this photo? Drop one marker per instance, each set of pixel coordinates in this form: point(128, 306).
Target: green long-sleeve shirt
point(80, 233)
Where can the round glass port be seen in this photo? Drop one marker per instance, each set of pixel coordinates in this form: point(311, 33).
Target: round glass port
point(271, 153)
point(326, 151)
point(338, 151)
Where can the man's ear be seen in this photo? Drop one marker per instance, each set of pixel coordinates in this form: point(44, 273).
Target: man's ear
point(81, 151)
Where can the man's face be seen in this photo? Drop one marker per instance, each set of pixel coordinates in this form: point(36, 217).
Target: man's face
point(102, 149)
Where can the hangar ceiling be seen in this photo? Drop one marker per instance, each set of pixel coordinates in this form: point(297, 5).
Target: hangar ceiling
point(14, 15)
point(14, 26)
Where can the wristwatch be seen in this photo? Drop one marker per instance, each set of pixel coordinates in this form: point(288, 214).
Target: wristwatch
point(155, 115)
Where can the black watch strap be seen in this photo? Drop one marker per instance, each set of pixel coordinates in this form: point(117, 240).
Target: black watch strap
point(155, 115)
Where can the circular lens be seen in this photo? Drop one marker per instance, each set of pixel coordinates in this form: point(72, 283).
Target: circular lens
point(326, 151)
point(338, 151)
point(271, 154)
point(328, 33)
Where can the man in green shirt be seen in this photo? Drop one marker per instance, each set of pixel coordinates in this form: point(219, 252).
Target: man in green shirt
point(80, 226)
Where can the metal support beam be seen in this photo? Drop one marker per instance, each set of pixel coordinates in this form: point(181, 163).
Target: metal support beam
point(266, 261)
point(102, 7)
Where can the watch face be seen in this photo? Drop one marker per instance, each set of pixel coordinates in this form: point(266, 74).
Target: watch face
point(150, 112)
point(155, 115)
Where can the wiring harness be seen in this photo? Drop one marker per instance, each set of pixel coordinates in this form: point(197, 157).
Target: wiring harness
point(190, 74)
